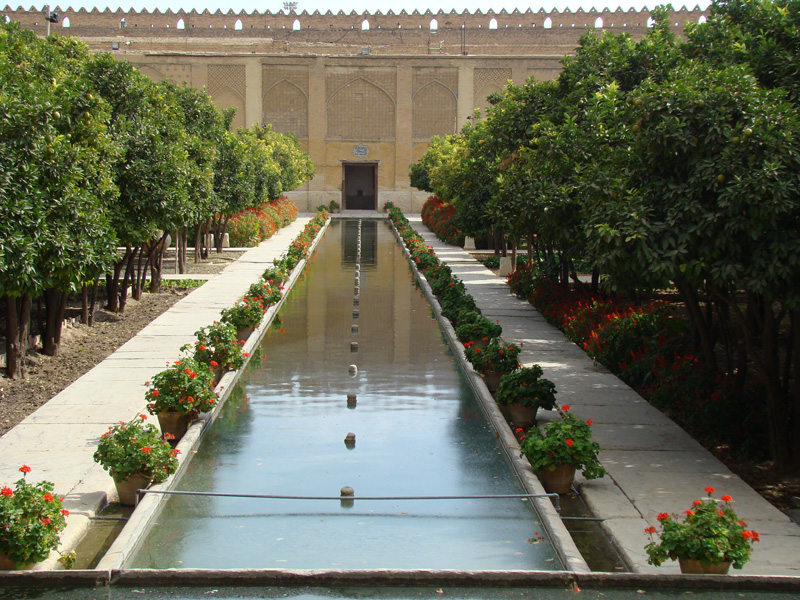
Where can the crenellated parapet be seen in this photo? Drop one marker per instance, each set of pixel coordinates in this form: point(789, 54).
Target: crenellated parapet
point(98, 22)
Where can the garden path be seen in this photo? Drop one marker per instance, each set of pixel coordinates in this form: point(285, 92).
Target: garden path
point(653, 465)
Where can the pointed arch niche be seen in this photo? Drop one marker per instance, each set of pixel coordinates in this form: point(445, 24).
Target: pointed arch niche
point(361, 110)
point(434, 109)
point(286, 108)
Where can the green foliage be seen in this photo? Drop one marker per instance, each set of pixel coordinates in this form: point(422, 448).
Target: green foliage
point(710, 532)
point(565, 441)
point(55, 160)
point(247, 313)
point(526, 386)
point(438, 217)
point(31, 520)
point(217, 347)
point(136, 447)
point(496, 356)
point(186, 387)
point(244, 230)
point(478, 329)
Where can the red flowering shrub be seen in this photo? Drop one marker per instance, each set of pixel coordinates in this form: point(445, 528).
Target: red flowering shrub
point(438, 217)
point(650, 349)
point(253, 225)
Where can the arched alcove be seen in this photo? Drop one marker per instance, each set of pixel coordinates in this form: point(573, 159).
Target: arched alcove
point(651, 21)
point(296, 25)
point(598, 23)
point(65, 22)
point(238, 25)
point(493, 23)
point(548, 23)
point(434, 111)
point(702, 19)
point(434, 25)
point(180, 25)
point(365, 25)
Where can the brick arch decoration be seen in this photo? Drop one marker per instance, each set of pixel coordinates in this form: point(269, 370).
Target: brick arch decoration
point(286, 108)
point(361, 109)
point(434, 108)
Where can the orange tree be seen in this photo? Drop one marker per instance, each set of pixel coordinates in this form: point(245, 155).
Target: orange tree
point(54, 181)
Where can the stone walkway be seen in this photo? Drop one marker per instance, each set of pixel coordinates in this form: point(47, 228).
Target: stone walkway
point(653, 465)
point(58, 440)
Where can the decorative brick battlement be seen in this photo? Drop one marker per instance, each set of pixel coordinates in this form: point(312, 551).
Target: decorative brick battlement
point(255, 24)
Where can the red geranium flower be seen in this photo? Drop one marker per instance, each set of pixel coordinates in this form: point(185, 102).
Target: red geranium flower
point(65, 512)
point(48, 497)
point(689, 512)
point(7, 492)
point(662, 516)
point(650, 529)
point(46, 521)
point(565, 408)
point(589, 422)
point(24, 469)
point(726, 498)
point(155, 392)
point(709, 490)
point(569, 443)
point(146, 449)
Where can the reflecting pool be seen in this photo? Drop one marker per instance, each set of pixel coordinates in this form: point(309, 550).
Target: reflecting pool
point(418, 430)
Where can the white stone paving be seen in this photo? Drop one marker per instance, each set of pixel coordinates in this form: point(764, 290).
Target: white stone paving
point(653, 465)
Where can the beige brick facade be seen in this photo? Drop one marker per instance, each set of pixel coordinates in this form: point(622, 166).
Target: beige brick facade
point(356, 88)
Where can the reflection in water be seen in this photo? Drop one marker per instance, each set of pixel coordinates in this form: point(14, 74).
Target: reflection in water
point(419, 431)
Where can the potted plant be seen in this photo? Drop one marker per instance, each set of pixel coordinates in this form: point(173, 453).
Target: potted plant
point(179, 393)
point(31, 521)
point(709, 538)
point(136, 456)
point(480, 331)
point(564, 446)
point(218, 347)
point(275, 275)
point(245, 316)
point(523, 391)
point(495, 360)
point(334, 206)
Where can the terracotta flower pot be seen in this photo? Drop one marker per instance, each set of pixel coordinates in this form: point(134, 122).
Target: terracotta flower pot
point(521, 415)
point(126, 489)
point(492, 379)
point(698, 567)
point(244, 333)
point(6, 564)
point(174, 423)
point(559, 480)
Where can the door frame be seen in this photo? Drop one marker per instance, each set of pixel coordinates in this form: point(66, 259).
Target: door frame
point(367, 163)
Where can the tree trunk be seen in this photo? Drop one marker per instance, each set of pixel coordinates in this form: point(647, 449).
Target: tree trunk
point(701, 327)
point(126, 280)
point(220, 233)
point(52, 325)
point(93, 302)
point(156, 260)
point(84, 305)
point(112, 283)
point(180, 250)
point(595, 280)
point(15, 363)
point(794, 394)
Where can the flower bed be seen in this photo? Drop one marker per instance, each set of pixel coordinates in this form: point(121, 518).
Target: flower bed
point(438, 217)
point(254, 225)
point(649, 348)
